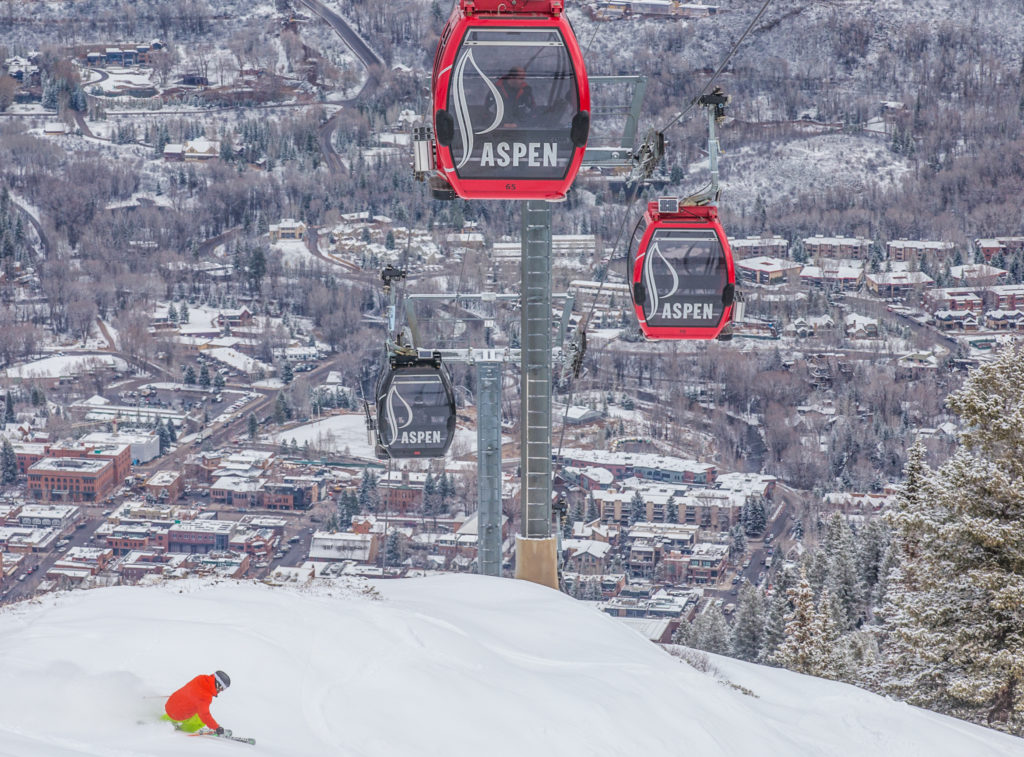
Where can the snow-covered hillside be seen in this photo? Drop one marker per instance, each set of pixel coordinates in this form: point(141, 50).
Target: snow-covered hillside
point(450, 665)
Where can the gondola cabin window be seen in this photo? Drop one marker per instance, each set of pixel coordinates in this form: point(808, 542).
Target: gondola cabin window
point(513, 96)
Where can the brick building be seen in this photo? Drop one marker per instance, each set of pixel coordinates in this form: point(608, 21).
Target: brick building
point(707, 563)
point(200, 536)
point(71, 479)
point(128, 537)
point(165, 485)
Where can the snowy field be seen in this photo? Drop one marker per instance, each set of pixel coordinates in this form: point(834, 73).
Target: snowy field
point(293, 252)
point(443, 666)
point(346, 434)
point(64, 365)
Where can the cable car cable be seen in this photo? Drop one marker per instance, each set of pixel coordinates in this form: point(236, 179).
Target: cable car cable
point(655, 155)
point(720, 68)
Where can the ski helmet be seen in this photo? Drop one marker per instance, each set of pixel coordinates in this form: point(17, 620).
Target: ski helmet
point(222, 679)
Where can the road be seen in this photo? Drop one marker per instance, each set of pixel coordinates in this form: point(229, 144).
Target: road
point(44, 241)
point(348, 35)
point(775, 536)
point(370, 60)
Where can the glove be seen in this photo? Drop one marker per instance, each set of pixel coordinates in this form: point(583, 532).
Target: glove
point(219, 731)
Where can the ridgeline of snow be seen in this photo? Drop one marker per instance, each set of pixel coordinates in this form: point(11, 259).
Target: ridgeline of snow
point(449, 665)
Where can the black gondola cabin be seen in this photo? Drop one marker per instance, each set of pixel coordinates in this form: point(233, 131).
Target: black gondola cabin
point(415, 408)
point(681, 272)
point(511, 101)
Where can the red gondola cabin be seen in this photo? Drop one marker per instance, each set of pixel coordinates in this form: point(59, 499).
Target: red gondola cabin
point(682, 277)
point(511, 101)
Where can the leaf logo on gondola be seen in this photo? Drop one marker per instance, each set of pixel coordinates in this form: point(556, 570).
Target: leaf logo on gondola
point(392, 419)
point(460, 104)
point(651, 282)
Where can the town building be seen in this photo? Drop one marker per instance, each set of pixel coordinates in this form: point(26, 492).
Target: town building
point(124, 538)
point(993, 246)
point(955, 299)
point(897, 284)
point(837, 275)
point(28, 454)
point(26, 540)
point(402, 491)
point(1007, 297)
point(769, 246)
point(707, 563)
point(906, 250)
point(287, 228)
point(143, 446)
point(978, 275)
point(60, 517)
point(68, 479)
point(768, 270)
point(200, 536)
point(837, 247)
point(653, 467)
point(326, 546)
point(166, 485)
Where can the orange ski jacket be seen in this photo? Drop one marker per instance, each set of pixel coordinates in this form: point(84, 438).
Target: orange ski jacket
point(193, 698)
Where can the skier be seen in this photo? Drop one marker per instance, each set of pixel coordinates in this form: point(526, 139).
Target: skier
point(189, 707)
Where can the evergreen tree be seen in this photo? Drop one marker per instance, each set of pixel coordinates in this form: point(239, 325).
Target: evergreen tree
point(843, 578)
point(369, 497)
point(253, 426)
point(429, 496)
point(287, 374)
point(872, 549)
point(748, 628)
point(172, 434)
point(183, 312)
point(392, 552)
point(8, 463)
point(816, 566)
point(204, 377)
point(774, 624)
point(737, 540)
point(172, 313)
point(575, 516)
point(218, 382)
point(954, 601)
point(8, 408)
point(671, 510)
point(281, 411)
point(348, 508)
point(708, 631)
point(801, 647)
point(637, 509)
point(446, 490)
point(834, 652)
point(165, 440)
point(592, 511)
point(753, 516)
point(190, 375)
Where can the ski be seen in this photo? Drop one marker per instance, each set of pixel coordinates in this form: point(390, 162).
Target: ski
point(231, 736)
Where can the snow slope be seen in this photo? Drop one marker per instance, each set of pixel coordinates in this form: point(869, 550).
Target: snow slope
point(448, 665)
